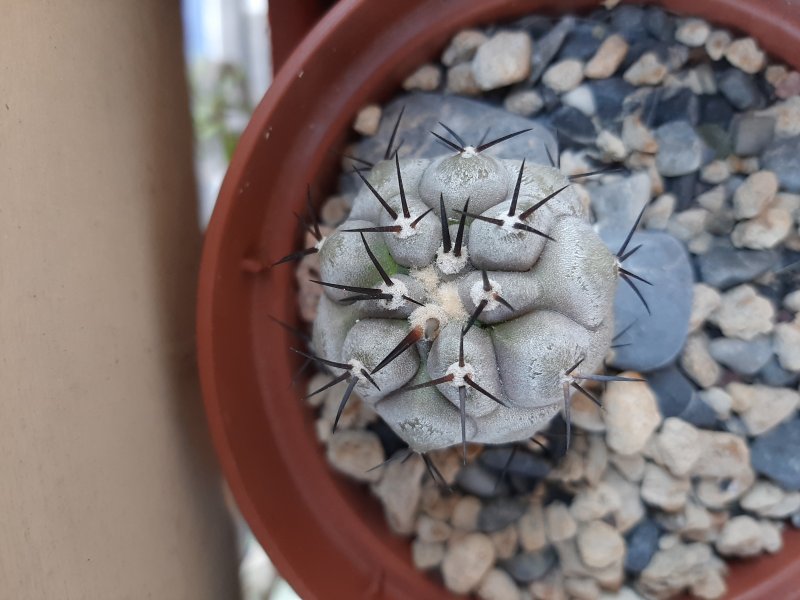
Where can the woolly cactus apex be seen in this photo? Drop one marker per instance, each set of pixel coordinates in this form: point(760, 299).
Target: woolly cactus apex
point(467, 297)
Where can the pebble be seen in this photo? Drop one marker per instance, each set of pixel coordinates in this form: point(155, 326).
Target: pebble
point(740, 89)
point(612, 149)
point(745, 55)
point(662, 490)
point(600, 545)
point(642, 542)
point(705, 300)
point(677, 397)
point(745, 358)
point(677, 445)
point(766, 406)
point(713, 201)
point(582, 588)
point(631, 415)
point(717, 171)
point(559, 524)
point(499, 513)
point(637, 136)
point(776, 455)
point(354, 452)
point(530, 566)
point(548, 46)
point(467, 561)
point(789, 86)
point(463, 47)
point(630, 466)
point(432, 530)
point(743, 313)
point(662, 260)
point(659, 24)
point(498, 585)
point(479, 481)
point(752, 134)
point(524, 102)
point(465, 513)
point(724, 266)
point(774, 374)
point(766, 231)
point(771, 536)
point(792, 301)
point(787, 117)
point(757, 191)
point(781, 158)
point(657, 214)
point(427, 78)
point(586, 415)
point(764, 496)
point(741, 536)
point(719, 400)
point(710, 585)
point(582, 99)
point(400, 490)
point(725, 459)
point(631, 509)
point(698, 363)
point(680, 150)
point(461, 80)
point(692, 32)
point(648, 70)
point(367, 120)
point(609, 94)
point(564, 75)
point(550, 587)
point(573, 126)
point(505, 542)
point(717, 43)
point(504, 59)
point(531, 530)
point(674, 569)
point(426, 555)
point(787, 345)
point(594, 503)
point(608, 58)
point(688, 224)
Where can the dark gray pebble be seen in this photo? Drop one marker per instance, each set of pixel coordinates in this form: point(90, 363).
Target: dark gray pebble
point(654, 339)
point(530, 566)
point(781, 157)
point(725, 266)
point(776, 454)
point(743, 357)
point(499, 514)
point(740, 89)
point(752, 134)
point(524, 463)
point(642, 542)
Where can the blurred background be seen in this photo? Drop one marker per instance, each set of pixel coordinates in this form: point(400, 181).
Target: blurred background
point(229, 67)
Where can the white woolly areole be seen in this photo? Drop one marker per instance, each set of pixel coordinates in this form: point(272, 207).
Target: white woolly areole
point(508, 222)
point(406, 230)
point(421, 316)
point(443, 294)
point(459, 373)
point(449, 263)
point(469, 152)
point(398, 290)
point(356, 370)
point(477, 294)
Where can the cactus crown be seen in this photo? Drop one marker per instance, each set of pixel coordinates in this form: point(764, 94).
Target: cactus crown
point(465, 297)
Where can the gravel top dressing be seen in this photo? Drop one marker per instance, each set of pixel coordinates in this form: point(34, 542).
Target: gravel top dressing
point(699, 462)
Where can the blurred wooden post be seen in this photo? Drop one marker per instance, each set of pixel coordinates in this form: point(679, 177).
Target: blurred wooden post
point(108, 487)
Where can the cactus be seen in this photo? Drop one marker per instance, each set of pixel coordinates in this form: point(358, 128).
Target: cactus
point(466, 297)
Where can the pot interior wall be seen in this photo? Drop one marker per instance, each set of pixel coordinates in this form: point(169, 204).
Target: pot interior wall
point(326, 534)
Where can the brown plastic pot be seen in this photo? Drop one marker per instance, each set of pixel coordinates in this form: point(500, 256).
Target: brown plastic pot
point(327, 535)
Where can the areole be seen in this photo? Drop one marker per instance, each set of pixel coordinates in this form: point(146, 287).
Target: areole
point(326, 535)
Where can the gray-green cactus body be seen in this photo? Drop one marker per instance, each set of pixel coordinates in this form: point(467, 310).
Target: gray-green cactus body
point(533, 287)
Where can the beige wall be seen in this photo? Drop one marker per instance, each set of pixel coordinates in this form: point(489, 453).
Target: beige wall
point(108, 488)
